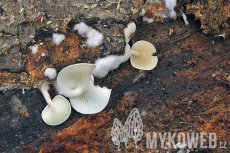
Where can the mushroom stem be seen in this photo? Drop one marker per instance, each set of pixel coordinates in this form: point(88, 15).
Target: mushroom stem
point(128, 53)
point(135, 53)
point(92, 79)
point(68, 93)
point(44, 89)
point(75, 93)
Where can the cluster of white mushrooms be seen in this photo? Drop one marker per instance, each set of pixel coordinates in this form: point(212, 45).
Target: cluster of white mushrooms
point(77, 81)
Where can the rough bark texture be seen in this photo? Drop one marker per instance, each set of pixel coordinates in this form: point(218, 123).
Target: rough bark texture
point(24, 23)
point(214, 15)
point(188, 91)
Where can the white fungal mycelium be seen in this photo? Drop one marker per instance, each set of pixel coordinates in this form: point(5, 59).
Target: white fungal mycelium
point(221, 35)
point(82, 28)
point(94, 37)
point(170, 4)
point(50, 73)
point(34, 49)
point(57, 38)
point(185, 19)
point(156, 9)
point(109, 63)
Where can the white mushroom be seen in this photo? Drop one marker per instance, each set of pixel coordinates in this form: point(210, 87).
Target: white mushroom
point(76, 83)
point(142, 55)
point(57, 111)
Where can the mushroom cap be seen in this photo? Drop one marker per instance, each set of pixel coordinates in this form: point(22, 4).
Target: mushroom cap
point(93, 100)
point(145, 61)
point(73, 76)
point(58, 112)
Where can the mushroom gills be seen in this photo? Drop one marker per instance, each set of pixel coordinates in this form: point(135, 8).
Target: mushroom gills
point(92, 101)
point(142, 55)
point(58, 112)
point(77, 75)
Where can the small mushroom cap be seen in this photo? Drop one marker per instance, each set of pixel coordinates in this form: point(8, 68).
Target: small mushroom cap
point(73, 76)
point(58, 112)
point(93, 100)
point(145, 61)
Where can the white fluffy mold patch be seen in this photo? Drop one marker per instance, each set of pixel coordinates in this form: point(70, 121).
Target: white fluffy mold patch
point(50, 73)
point(57, 38)
point(94, 37)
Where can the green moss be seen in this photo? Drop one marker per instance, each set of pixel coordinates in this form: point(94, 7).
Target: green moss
point(166, 115)
point(48, 39)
